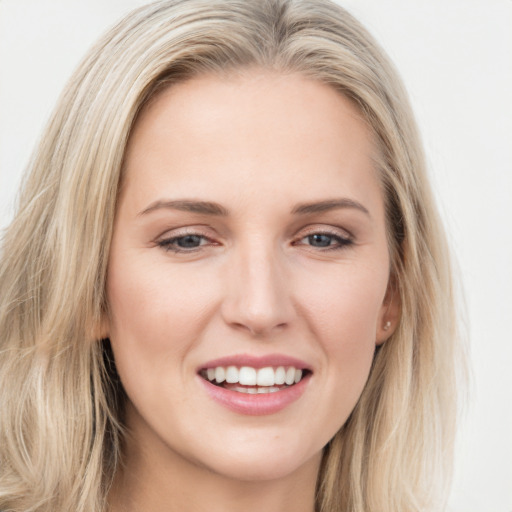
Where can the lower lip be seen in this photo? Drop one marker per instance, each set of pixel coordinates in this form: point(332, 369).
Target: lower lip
point(256, 404)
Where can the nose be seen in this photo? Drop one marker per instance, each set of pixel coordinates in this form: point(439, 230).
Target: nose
point(257, 297)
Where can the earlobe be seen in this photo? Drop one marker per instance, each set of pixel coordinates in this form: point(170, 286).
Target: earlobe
point(390, 314)
point(101, 329)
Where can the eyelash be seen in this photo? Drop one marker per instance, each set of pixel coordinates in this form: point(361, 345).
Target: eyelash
point(341, 242)
point(168, 244)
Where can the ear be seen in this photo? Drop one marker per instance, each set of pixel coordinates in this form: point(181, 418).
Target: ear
point(390, 312)
point(101, 328)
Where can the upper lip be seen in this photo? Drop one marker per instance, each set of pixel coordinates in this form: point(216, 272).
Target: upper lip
point(240, 360)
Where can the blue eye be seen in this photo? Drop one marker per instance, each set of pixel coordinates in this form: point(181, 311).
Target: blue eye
point(326, 241)
point(320, 240)
point(183, 243)
point(188, 241)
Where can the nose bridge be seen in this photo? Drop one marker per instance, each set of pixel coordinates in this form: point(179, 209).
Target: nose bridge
point(258, 298)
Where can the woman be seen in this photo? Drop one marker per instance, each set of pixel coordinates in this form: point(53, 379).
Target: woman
point(226, 285)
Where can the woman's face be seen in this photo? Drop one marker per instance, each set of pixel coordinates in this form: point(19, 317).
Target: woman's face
point(250, 233)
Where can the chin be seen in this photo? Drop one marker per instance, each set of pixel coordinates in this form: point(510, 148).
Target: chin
point(264, 464)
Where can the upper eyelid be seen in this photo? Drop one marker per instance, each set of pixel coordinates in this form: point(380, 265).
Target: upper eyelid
point(326, 230)
point(183, 231)
point(205, 232)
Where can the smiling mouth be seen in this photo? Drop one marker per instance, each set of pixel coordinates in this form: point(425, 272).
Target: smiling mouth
point(247, 379)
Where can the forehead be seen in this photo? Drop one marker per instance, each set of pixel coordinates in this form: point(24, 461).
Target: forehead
point(256, 129)
point(205, 100)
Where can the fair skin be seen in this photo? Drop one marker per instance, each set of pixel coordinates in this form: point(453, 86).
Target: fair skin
point(250, 228)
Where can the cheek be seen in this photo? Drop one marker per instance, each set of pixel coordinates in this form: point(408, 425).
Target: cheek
point(156, 313)
point(344, 314)
point(344, 304)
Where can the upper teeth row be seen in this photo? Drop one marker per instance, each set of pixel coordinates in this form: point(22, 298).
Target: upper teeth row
point(249, 376)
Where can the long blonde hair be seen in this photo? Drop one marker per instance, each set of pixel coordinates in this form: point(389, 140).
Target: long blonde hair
point(61, 405)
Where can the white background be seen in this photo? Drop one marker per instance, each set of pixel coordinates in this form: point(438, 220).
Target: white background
point(456, 59)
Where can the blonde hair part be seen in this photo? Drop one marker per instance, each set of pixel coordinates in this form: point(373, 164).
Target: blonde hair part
point(61, 422)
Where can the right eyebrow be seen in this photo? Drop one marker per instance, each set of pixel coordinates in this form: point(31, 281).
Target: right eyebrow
point(187, 205)
point(329, 204)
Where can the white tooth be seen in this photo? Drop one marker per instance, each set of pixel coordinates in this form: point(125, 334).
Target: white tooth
point(210, 374)
point(280, 376)
point(252, 391)
point(265, 376)
point(273, 390)
point(247, 376)
point(290, 376)
point(298, 375)
point(232, 374)
point(262, 390)
point(220, 374)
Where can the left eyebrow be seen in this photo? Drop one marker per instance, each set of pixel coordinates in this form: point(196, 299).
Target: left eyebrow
point(187, 205)
point(329, 204)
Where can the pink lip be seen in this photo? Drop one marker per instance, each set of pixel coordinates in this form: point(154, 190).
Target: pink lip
point(256, 361)
point(258, 404)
